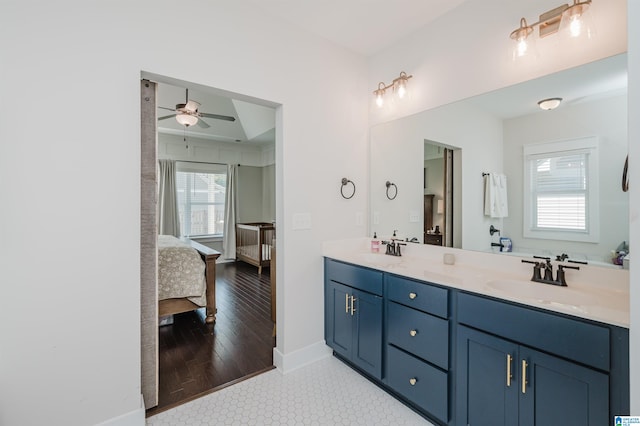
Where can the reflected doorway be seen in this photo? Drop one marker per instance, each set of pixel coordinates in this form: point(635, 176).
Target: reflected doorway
point(441, 176)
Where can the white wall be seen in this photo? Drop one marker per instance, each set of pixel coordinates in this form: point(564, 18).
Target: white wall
point(249, 201)
point(69, 180)
point(605, 118)
point(197, 149)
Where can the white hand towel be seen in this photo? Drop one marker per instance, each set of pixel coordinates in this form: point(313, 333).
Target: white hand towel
point(495, 195)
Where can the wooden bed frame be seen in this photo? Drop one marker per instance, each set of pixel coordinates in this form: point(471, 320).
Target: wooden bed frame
point(253, 243)
point(176, 306)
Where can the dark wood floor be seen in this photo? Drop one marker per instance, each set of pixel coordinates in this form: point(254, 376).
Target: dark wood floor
point(195, 357)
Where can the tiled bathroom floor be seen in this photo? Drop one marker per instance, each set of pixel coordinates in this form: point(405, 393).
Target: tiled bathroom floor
point(324, 393)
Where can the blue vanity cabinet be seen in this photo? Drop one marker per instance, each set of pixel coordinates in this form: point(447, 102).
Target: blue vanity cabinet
point(417, 344)
point(353, 315)
point(517, 365)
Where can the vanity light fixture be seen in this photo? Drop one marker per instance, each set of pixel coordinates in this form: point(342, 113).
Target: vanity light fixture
point(399, 86)
point(549, 104)
point(574, 20)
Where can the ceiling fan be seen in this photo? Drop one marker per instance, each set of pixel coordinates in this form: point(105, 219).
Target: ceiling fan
point(187, 114)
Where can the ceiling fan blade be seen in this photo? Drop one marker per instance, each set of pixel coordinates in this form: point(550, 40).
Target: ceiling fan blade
point(218, 117)
point(201, 123)
point(166, 116)
point(168, 109)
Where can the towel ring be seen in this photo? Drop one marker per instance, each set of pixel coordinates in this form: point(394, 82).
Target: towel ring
point(625, 178)
point(395, 194)
point(346, 181)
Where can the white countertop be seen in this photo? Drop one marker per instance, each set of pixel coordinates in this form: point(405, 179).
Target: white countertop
point(594, 293)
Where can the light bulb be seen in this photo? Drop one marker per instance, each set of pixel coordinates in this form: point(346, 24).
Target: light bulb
point(575, 26)
point(522, 47)
point(402, 89)
point(379, 100)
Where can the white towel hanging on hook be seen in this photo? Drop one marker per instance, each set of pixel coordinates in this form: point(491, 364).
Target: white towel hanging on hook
point(495, 195)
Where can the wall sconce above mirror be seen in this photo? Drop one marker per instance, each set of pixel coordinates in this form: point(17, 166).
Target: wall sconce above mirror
point(575, 21)
point(399, 86)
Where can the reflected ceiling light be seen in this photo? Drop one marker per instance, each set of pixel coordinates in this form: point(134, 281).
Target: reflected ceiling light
point(550, 103)
point(573, 20)
point(186, 119)
point(399, 86)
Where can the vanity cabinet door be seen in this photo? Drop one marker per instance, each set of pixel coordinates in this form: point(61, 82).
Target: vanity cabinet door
point(353, 326)
point(559, 392)
point(367, 333)
point(542, 390)
point(339, 322)
point(487, 380)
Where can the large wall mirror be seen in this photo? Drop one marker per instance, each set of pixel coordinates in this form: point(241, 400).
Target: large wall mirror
point(489, 134)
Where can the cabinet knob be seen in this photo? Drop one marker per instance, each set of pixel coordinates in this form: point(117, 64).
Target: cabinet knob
point(413, 381)
point(413, 333)
point(412, 295)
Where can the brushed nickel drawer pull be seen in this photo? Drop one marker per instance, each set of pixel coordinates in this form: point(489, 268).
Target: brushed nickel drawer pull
point(413, 381)
point(413, 333)
point(346, 303)
point(509, 375)
point(412, 295)
point(353, 308)
point(524, 376)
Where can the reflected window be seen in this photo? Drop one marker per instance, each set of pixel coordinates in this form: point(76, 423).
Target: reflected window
point(561, 191)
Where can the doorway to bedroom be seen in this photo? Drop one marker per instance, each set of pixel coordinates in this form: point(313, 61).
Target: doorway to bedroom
point(195, 357)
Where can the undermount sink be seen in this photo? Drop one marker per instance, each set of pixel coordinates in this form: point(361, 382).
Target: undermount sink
point(545, 293)
point(378, 259)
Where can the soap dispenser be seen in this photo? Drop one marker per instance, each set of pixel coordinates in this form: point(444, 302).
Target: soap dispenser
point(375, 244)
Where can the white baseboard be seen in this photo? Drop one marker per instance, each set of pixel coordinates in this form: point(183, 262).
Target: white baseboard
point(296, 359)
point(132, 418)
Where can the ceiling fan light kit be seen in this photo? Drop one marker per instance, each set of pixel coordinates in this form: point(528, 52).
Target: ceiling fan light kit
point(186, 119)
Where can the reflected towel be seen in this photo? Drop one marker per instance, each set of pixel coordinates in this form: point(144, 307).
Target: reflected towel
point(495, 195)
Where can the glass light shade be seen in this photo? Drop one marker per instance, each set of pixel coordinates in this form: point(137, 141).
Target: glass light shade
point(577, 22)
point(186, 119)
point(401, 88)
point(524, 44)
point(549, 104)
point(379, 93)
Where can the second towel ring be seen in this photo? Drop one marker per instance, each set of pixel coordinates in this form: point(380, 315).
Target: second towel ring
point(395, 194)
point(346, 181)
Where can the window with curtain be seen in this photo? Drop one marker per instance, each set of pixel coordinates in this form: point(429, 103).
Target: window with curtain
point(561, 190)
point(201, 193)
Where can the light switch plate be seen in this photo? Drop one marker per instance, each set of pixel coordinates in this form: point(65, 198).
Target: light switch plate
point(301, 221)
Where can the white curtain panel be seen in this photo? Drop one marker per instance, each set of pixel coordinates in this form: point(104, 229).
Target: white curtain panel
point(168, 217)
point(229, 242)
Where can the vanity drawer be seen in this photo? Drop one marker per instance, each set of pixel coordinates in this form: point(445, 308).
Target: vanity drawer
point(354, 276)
point(419, 333)
point(419, 382)
point(577, 340)
point(418, 295)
